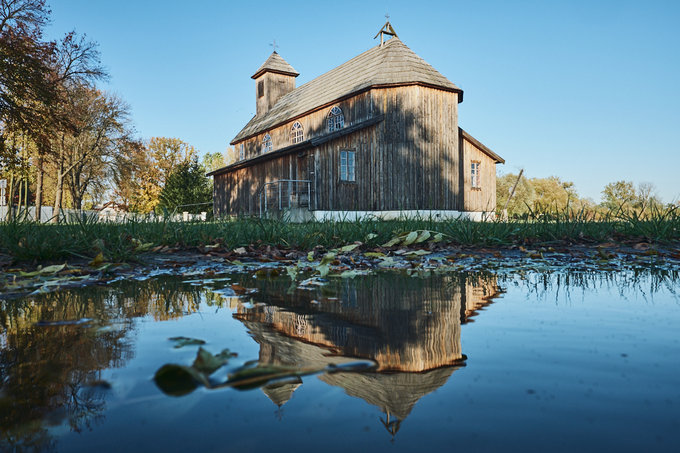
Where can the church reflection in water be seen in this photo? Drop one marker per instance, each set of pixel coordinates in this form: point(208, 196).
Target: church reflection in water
point(409, 327)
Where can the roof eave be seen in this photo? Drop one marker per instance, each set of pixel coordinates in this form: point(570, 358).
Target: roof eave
point(309, 143)
point(481, 146)
point(275, 71)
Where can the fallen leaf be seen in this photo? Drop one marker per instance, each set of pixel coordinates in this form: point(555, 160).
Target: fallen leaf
point(410, 238)
point(185, 341)
point(178, 380)
point(207, 363)
point(97, 261)
point(422, 237)
point(349, 248)
point(392, 242)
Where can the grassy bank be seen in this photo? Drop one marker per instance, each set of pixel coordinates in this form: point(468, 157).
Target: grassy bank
point(119, 242)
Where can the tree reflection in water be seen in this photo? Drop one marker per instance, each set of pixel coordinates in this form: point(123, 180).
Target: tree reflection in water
point(54, 347)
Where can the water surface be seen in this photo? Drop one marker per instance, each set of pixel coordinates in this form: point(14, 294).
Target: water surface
point(471, 361)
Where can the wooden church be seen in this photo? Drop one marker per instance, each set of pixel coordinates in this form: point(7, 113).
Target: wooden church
point(376, 136)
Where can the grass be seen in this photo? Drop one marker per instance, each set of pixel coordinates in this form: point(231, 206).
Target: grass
point(29, 241)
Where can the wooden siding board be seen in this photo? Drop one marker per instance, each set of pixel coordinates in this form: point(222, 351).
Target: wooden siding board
point(410, 160)
point(483, 199)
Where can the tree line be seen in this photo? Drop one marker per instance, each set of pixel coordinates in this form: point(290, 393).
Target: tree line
point(537, 196)
point(67, 143)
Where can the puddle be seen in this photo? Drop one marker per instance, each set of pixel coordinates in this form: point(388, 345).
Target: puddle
point(551, 361)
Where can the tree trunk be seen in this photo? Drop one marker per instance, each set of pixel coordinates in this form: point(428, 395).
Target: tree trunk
point(39, 186)
point(60, 184)
point(58, 194)
point(10, 196)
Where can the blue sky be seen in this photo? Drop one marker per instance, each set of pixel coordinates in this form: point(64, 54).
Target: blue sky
point(587, 91)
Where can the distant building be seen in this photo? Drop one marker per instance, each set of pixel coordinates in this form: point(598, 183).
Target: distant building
point(377, 135)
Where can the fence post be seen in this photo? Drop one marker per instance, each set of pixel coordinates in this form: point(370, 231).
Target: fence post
point(309, 195)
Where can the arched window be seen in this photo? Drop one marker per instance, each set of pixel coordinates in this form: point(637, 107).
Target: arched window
point(336, 120)
point(266, 143)
point(296, 133)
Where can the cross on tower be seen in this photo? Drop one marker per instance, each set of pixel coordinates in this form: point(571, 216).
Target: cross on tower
point(274, 45)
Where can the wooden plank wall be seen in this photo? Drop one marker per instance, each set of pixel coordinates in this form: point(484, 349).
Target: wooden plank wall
point(275, 87)
point(484, 198)
point(410, 160)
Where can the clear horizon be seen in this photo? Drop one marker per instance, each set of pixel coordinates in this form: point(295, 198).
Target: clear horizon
point(586, 92)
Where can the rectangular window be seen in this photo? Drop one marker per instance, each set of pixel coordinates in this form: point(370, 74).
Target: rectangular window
point(242, 152)
point(347, 166)
point(260, 88)
point(475, 175)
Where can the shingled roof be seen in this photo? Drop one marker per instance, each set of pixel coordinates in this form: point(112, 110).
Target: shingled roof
point(391, 64)
point(275, 63)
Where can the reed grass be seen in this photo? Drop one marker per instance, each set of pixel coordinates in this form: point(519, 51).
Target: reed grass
point(30, 241)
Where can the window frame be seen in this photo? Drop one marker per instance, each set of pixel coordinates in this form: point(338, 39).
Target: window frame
point(476, 175)
point(297, 134)
point(348, 169)
point(260, 89)
point(335, 120)
point(242, 152)
point(267, 145)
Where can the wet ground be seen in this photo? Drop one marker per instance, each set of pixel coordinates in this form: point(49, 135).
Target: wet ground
point(478, 350)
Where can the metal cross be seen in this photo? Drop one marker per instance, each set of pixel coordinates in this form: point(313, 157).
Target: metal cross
point(274, 45)
point(387, 16)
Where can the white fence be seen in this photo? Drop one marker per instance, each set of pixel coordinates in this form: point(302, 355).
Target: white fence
point(105, 215)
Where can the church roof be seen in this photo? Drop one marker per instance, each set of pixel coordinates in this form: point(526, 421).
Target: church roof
point(275, 63)
point(390, 64)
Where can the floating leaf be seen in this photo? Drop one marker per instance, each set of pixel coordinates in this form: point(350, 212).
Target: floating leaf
point(323, 269)
point(292, 272)
point(249, 377)
point(178, 380)
point(314, 281)
point(310, 256)
point(186, 341)
point(410, 238)
point(349, 274)
point(267, 273)
point(328, 258)
point(438, 237)
point(49, 270)
point(207, 363)
point(374, 255)
point(238, 289)
point(370, 236)
point(387, 262)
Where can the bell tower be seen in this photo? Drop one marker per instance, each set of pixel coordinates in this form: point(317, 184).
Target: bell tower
point(274, 79)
